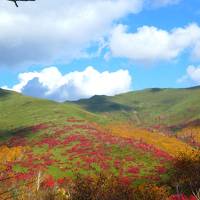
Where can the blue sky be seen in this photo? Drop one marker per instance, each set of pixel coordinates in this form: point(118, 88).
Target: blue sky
point(110, 36)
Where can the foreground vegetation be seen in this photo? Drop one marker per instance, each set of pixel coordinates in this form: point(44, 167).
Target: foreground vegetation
point(64, 151)
point(183, 177)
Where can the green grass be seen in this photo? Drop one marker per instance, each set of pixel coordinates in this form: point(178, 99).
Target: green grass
point(40, 150)
point(174, 106)
point(19, 169)
point(18, 112)
point(56, 172)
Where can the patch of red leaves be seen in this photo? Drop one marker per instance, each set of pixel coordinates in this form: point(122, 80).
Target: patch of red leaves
point(39, 127)
point(133, 170)
point(49, 182)
point(182, 197)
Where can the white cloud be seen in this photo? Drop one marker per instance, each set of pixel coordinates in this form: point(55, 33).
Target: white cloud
point(196, 51)
point(192, 75)
point(152, 44)
point(51, 84)
point(183, 79)
point(48, 30)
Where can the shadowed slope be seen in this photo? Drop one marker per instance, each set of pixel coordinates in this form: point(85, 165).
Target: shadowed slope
point(4, 93)
point(155, 106)
point(102, 104)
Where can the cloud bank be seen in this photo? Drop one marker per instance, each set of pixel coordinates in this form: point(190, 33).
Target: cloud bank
point(192, 75)
point(151, 44)
point(48, 31)
point(50, 83)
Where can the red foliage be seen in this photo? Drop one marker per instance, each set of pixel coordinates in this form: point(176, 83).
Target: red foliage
point(161, 170)
point(60, 181)
point(133, 170)
point(52, 142)
point(92, 145)
point(17, 141)
point(24, 176)
point(49, 182)
point(182, 197)
point(125, 180)
point(39, 127)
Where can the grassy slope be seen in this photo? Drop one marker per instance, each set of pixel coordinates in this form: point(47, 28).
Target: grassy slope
point(174, 106)
point(18, 111)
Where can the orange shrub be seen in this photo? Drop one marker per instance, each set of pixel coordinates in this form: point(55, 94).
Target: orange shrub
point(171, 145)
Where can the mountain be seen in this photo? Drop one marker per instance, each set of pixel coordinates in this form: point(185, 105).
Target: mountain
point(169, 107)
point(146, 108)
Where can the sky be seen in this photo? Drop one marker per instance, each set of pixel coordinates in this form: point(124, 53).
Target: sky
point(67, 50)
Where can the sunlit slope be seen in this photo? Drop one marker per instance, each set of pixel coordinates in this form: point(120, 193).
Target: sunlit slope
point(166, 143)
point(149, 107)
point(18, 111)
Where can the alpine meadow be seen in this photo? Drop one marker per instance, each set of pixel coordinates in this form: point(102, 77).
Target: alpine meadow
point(99, 100)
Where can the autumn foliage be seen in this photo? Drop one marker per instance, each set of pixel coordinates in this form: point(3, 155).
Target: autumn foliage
point(117, 163)
point(185, 173)
point(169, 144)
point(190, 135)
point(11, 154)
point(104, 187)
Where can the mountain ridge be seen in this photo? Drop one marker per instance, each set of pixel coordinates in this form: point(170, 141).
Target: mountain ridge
point(172, 106)
point(166, 107)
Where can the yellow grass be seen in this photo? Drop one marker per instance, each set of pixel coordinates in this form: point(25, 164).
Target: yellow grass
point(169, 144)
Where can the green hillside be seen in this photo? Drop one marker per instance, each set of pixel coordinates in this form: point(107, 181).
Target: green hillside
point(145, 108)
point(18, 112)
point(149, 107)
point(61, 140)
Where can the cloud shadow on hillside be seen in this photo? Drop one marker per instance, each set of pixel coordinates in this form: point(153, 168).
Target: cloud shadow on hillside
point(4, 93)
point(17, 133)
point(102, 104)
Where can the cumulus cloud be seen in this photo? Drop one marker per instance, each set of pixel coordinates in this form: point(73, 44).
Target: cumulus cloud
point(196, 51)
point(152, 44)
point(50, 83)
point(47, 30)
point(192, 75)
